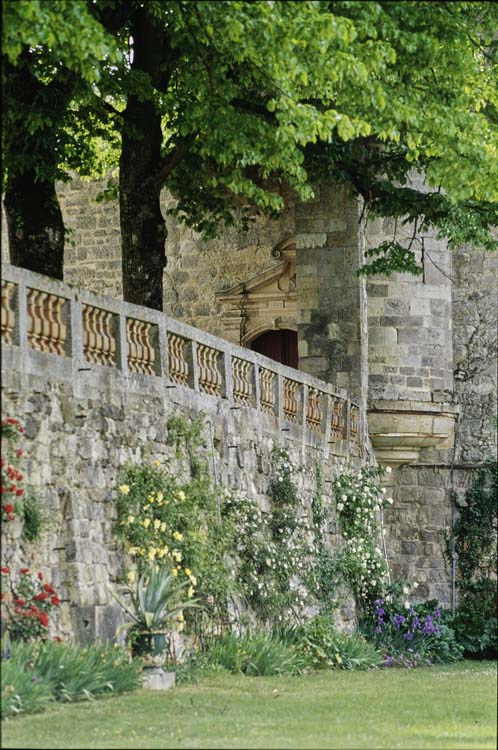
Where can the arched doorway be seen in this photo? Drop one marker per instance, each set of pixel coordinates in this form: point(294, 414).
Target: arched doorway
point(279, 345)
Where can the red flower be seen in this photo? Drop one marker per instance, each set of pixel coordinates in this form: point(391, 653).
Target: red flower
point(49, 588)
point(4, 489)
point(55, 601)
point(19, 493)
point(40, 597)
point(5, 570)
point(19, 452)
point(10, 420)
point(21, 429)
point(19, 477)
point(58, 638)
point(24, 571)
point(34, 609)
point(20, 602)
point(12, 488)
point(9, 508)
point(11, 516)
point(42, 617)
point(40, 576)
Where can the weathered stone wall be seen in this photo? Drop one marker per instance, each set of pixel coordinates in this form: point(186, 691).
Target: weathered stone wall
point(84, 421)
point(329, 293)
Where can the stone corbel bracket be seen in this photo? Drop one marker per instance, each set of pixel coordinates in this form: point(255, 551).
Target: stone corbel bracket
point(400, 429)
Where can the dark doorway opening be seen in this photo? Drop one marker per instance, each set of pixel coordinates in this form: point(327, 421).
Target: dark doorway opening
point(278, 345)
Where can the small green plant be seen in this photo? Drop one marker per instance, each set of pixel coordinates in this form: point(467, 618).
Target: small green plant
point(323, 646)
point(37, 674)
point(258, 653)
point(33, 517)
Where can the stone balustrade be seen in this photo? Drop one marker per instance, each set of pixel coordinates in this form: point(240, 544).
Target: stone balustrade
point(71, 333)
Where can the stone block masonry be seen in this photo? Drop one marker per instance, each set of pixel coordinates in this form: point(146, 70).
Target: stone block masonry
point(95, 380)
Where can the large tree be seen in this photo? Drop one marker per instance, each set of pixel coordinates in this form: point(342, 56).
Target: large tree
point(52, 56)
point(226, 102)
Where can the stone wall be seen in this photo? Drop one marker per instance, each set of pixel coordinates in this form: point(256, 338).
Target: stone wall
point(85, 420)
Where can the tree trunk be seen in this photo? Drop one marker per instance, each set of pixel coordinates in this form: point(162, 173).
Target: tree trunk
point(34, 112)
point(143, 229)
point(35, 226)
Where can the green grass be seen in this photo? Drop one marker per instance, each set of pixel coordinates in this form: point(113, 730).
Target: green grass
point(441, 707)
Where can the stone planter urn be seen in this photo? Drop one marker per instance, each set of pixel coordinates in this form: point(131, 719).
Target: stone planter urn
point(150, 647)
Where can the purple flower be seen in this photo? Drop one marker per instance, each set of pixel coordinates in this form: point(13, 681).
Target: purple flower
point(378, 629)
point(437, 613)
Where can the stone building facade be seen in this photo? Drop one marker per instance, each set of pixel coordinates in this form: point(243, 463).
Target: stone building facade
point(417, 353)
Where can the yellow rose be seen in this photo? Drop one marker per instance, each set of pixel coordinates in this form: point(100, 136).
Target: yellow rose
point(163, 526)
point(146, 523)
point(152, 554)
point(177, 536)
point(157, 523)
point(175, 571)
point(180, 495)
point(190, 592)
point(188, 572)
point(193, 580)
point(180, 617)
point(131, 519)
point(124, 489)
point(160, 497)
point(177, 555)
point(156, 463)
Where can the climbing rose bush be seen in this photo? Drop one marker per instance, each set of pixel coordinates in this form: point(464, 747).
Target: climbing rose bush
point(11, 478)
point(360, 499)
point(27, 605)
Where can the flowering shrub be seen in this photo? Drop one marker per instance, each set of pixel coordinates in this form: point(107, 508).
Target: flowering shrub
point(11, 484)
point(360, 498)
point(410, 634)
point(223, 544)
point(28, 604)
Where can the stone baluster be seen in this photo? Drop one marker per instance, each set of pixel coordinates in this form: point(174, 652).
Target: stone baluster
point(337, 421)
point(99, 342)
point(313, 409)
point(178, 365)
point(46, 331)
point(267, 390)
point(210, 380)
point(141, 354)
point(8, 319)
point(290, 400)
point(242, 385)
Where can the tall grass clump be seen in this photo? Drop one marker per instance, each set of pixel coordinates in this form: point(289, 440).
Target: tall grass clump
point(258, 653)
point(38, 673)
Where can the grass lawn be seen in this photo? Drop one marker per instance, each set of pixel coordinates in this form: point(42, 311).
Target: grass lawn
point(441, 707)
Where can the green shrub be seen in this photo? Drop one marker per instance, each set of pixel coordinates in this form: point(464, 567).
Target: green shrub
point(258, 653)
point(475, 620)
point(323, 646)
point(39, 673)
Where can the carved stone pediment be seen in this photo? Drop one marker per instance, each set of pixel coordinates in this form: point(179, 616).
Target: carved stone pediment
point(266, 301)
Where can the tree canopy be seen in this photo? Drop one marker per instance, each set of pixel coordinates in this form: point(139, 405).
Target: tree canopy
point(227, 102)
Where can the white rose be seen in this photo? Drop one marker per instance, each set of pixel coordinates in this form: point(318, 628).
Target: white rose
point(340, 507)
point(388, 470)
point(407, 604)
point(406, 590)
point(344, 498)
point(389, 500)
point(415, 585)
